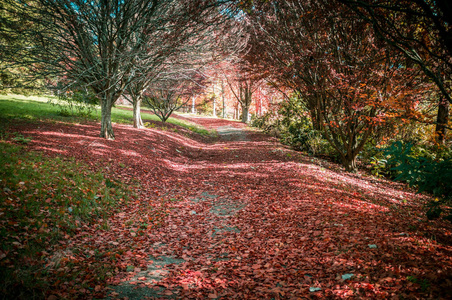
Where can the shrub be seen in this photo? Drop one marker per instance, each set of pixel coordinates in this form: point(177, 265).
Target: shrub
point(427, 170)
point(293, 126)
point(205, 107)
point(266, 122)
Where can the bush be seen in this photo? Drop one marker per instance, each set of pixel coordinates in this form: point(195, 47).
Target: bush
point(293, 126)
point(266, 122)
point(425, 169)
point(373, 157)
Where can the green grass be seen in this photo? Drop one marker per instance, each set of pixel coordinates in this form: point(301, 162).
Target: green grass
point(45, 200)
point(184, 124)
point(27, 108)
point(192, 127)
point(38, 108)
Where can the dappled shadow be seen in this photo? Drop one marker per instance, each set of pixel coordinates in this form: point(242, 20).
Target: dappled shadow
point(296, 224)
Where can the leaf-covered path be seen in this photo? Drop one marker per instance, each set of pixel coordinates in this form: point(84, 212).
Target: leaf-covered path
point(242, 217)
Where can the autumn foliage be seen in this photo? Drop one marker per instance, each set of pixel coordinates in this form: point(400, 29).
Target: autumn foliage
point(233, 216)
point(204, 207)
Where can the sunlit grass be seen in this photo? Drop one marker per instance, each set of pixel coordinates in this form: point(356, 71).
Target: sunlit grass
point(192, 127)
point(34, 108)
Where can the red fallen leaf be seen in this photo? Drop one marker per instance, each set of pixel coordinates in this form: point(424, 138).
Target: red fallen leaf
point(277, 290)
point(213, 296)
point(368, 286)
point(167, 293)
point(256, 266)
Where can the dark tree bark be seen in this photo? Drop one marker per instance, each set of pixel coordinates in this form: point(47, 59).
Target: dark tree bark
point(442, 120)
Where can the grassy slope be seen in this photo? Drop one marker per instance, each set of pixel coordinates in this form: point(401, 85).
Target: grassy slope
point(39, 108)
point(45, 199)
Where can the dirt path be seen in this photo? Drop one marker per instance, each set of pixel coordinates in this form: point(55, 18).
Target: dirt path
point(249, 219)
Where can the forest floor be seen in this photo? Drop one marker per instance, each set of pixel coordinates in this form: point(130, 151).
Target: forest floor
point(239, 216)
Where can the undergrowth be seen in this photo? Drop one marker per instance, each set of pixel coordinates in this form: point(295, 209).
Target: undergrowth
point(44, 201)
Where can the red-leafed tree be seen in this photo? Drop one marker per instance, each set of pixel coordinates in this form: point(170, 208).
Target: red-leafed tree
point(241, 83)
point(187, 50)
point(422, 31)
point(172, 91)
point(350, 83)
point(242, 86)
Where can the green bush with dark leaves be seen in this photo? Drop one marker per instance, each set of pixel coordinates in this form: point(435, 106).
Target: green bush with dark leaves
point(428, 171)
point(293, 126)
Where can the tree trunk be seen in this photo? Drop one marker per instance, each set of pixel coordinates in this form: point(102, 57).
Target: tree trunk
point(315, 119)
point(193, 110)
point(137, 121)
point(245, 114)
point(222, 97)
point(106, 129)
point(349, 162)
point(214, 112)
point(441, 121)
